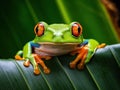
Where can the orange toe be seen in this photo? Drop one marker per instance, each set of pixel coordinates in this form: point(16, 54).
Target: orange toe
point(36, 71)
point(17, 57)
point(27, 63)
point(47, 71)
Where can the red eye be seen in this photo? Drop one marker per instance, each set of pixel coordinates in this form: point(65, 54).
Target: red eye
point(76, 29)
point(39, 29)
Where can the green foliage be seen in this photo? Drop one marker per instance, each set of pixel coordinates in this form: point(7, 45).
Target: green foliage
point(101, 73)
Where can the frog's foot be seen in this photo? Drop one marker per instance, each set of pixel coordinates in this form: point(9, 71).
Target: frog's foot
point(40, 61)
point(26, 63)
point(80, 59)
point(36, 70)
point(101, 45)
point(18, 57)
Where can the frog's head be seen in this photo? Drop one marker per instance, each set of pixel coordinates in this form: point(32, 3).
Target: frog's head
point(58, 33)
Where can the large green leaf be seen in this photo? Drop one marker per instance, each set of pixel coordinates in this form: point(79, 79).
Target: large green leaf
point(18, 18)
point(101, 73)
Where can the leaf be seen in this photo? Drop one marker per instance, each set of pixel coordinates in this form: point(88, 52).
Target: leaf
point(104, 72)
point(101, 73)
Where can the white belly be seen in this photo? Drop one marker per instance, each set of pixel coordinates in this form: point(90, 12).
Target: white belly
point(55, 49)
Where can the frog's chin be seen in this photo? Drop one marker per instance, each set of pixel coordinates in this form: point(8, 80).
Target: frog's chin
point(59, 43)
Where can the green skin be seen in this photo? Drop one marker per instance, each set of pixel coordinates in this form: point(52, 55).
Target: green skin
point(57, 36)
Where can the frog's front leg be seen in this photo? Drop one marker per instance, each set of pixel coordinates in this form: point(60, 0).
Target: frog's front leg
point(85, 52)
point(41, 62)
point(35, 60)
point(30, 57)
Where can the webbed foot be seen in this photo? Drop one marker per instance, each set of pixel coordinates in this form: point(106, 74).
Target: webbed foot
point(26, 63)
point(36, 70)
point(18, 57)
point(101, 45)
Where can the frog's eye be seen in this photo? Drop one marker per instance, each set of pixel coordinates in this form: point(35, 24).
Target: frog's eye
point(76, 29)
point(39, 29)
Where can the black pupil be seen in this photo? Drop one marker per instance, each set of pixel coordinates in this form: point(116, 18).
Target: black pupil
point(79, 29)
point(37, 29)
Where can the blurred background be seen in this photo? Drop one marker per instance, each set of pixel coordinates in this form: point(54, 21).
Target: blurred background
point(99, 18)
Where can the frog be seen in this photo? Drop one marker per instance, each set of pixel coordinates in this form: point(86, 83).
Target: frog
point(54, 40)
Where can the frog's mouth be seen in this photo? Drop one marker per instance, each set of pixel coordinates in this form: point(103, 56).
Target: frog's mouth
point(58, 43)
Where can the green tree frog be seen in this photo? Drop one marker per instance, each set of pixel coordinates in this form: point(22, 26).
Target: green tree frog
point(54, 40)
